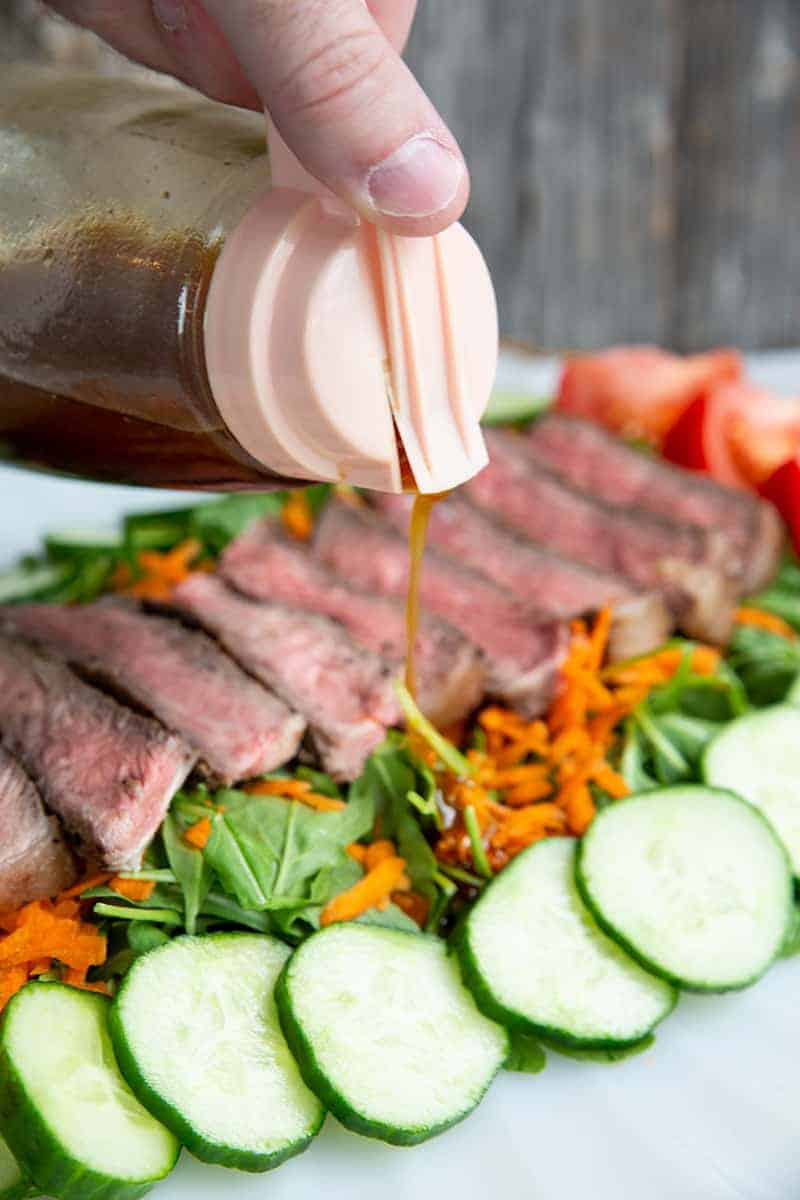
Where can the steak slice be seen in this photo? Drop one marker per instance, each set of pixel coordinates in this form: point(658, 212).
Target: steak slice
point(34, 859)
point(595, 461)
point(553, 586)
point(682, 561)
point(107, 772)
point(236, 726)
point(266, 563)
point(343, 690)
point(523, 652)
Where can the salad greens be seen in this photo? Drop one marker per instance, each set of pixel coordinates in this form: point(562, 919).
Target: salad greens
point(272, 864)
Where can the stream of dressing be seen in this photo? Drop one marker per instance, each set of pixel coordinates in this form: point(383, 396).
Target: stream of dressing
point(417, 533)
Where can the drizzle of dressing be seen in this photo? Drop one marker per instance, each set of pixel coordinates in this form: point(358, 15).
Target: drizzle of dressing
point(417, 534)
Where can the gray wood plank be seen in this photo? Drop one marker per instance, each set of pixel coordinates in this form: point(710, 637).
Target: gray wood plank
point(564, 108)
point(738, 274)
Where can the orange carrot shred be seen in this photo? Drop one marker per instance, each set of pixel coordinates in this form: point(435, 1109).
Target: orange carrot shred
point(133, 889)
point(297, 516)
point(277, 787)
point(357, 851)
point(197, 835)
point(91, 881)
point(377, 885)
point(378, 851)
point(761, 619)
point(11, 980)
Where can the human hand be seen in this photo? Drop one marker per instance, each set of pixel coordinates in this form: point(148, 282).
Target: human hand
point(330, 74)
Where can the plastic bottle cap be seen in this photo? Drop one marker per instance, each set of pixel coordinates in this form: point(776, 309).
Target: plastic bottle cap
point(327, 340)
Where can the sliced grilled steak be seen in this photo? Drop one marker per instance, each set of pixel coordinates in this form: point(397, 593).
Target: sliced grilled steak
point(34, 859)
point(267, 564)
point(523, 653)
point(650, 551)
point(343, 690)
point(107, 772)
point(237, 727)
point(595, 461)
point(551, 585)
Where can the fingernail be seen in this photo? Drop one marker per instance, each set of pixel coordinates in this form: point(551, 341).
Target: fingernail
point(171, 14)
point(418, 180)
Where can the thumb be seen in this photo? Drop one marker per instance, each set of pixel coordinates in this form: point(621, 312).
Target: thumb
point(349, 108)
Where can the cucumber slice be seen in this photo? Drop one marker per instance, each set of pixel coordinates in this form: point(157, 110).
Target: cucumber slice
point(78, 543)
point(536, 961)
point(758, 756)
point(385, 1032)
point(692, 881)
point(13, 1184)
point(66, 1112)
point(212, 1064)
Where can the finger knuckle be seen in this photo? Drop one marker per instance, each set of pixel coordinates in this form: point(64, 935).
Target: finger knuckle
point(336, 74)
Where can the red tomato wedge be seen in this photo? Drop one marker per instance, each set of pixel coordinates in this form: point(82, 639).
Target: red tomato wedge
point(737, 432)
point(640, 391)
point(782, 488)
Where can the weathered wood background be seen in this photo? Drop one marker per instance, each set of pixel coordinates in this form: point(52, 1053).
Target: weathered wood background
point(636, 163)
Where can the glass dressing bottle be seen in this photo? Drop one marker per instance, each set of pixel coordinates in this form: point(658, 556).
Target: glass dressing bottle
point(173, 312)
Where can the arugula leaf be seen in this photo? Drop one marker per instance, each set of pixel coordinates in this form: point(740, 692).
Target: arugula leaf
point(390, 776)
point(189, 866)
point(766, 662)
point(391, 917)
point(297, 922)
point(143, 937)
point(527, 1054)
point(221, 908)
point(265, 850)
point(320, 782)
point(218, 522)
point(632, 761)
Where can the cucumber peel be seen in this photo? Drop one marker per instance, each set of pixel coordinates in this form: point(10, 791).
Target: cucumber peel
point(385, 1033)
point(535, 959)
point(67, 1114)
point(210, 1061)
point(758, 756)
point(692, 882)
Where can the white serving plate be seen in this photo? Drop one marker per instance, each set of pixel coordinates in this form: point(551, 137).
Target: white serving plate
point(710, 1112)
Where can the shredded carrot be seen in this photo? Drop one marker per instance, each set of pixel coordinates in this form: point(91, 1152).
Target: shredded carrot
point(761, 619)
point(378, 851)
point(297, 516)
point(157, 573)
point(197, 835)
point(133, 889)
point(295, 789)
point(377, 885)
point(83, 885)
point(278, 787)
point(11, 980)
point(535, 779)
point(48, 936)
point(357, 851)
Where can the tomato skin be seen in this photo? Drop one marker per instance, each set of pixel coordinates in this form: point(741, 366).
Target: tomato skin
point(699, 439)
point(782, 488)
point(738, 433)
point(640, 391)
